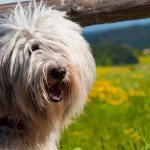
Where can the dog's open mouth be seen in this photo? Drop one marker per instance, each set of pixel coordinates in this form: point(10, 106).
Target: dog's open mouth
point(55, 92)
point(11, 123)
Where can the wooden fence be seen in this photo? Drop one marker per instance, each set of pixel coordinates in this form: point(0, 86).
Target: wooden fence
point(89, 12)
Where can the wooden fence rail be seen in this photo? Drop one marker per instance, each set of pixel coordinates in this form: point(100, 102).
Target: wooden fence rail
point(89, 12)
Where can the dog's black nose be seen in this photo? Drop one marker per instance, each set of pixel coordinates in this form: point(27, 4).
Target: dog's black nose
point(58, 73)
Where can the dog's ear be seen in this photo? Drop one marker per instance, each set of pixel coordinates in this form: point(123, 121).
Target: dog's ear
point(4, 31)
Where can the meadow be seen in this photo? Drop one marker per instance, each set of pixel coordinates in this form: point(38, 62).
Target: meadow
point(117, 114)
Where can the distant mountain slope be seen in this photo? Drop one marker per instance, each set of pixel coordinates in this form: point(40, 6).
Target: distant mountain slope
point(137, 37)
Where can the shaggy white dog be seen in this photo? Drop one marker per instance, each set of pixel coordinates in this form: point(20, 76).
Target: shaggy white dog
point(46, 71)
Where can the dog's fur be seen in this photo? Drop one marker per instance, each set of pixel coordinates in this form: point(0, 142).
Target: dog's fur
point(33, 41)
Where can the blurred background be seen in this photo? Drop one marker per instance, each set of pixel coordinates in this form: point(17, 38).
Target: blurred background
point(117, 115)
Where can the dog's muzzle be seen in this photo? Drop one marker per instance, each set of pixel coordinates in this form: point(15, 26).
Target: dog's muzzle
point(55, 91)
point(58, 73)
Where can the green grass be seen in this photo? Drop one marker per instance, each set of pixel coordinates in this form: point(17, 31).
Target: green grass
point(144, 59)
point(114, 127)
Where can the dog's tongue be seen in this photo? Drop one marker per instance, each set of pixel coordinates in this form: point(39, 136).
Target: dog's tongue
point(56, 93)
point(56, 90)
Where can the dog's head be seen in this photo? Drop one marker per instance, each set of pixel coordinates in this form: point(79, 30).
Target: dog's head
point(46, 71)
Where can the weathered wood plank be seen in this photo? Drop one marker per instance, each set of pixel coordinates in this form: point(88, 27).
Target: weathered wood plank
point(88, 12)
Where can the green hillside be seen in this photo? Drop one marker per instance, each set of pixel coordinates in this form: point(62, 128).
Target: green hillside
point(107, 54)
point(137, 37)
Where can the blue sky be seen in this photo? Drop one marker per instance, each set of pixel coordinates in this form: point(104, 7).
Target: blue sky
point(11, 1)
point(110, 26)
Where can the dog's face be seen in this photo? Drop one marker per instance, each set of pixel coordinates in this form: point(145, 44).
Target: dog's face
point(46, 72)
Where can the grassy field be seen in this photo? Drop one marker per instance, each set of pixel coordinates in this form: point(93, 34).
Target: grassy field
point(117, 115)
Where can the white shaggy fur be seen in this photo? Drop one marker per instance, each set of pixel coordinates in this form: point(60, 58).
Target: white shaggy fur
point(24, 76)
